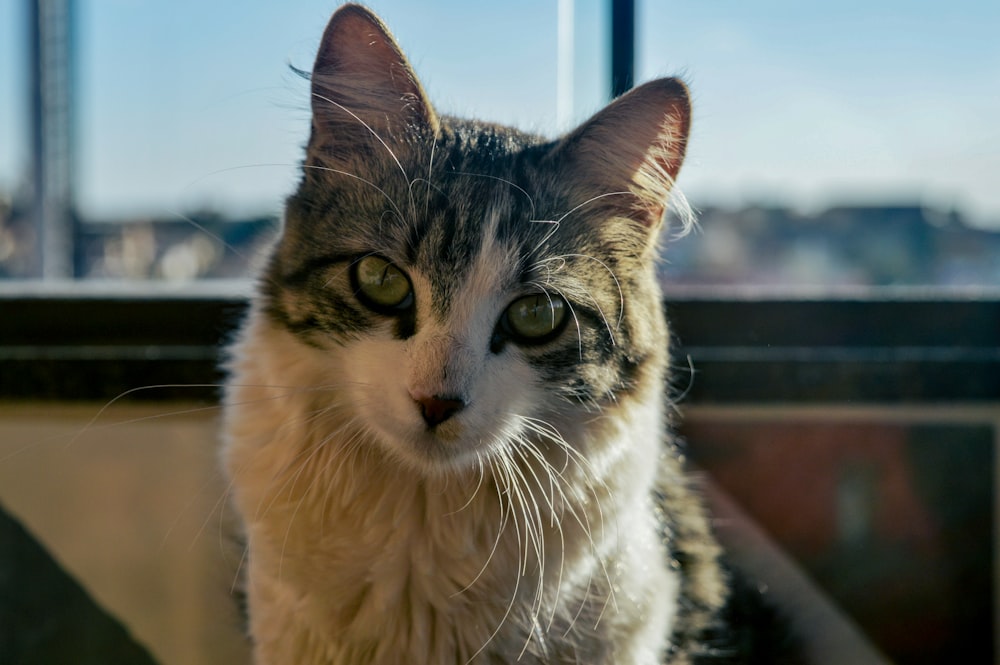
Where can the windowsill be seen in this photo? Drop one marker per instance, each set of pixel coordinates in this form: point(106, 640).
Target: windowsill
point(98, 340)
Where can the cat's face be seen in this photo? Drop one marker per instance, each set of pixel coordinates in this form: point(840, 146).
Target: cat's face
point(465, 287)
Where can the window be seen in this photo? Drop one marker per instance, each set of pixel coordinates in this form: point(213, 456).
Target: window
point(838, 310)
point(176, 158)
point(834, 146)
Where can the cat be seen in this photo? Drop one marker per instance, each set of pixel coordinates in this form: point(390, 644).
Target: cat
point(445, 423)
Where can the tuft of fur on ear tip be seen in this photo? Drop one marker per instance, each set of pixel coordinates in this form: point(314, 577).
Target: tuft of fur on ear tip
point(635, 147)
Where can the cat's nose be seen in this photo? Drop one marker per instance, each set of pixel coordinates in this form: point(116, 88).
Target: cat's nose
point(437, 408)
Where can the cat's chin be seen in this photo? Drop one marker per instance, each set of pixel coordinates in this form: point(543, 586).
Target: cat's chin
point(437, 452)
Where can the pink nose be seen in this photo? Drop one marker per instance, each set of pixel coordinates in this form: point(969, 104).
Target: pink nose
point(437, 409)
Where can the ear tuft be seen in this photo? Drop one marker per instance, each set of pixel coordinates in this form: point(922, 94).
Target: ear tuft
point(635, 146)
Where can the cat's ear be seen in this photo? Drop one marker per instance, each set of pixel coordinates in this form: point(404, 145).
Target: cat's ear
point(363, 88)
point(630, 152)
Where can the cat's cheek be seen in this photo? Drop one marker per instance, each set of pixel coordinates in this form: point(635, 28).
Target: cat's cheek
point(372, 370)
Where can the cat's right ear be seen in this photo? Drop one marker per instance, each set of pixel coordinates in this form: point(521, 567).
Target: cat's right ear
point(364, 91)
point(630, 152)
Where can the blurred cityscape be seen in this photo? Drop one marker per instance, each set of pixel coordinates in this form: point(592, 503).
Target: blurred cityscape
point(201, 245)
point(863, 245)
point(766, 246)
point(43, 236)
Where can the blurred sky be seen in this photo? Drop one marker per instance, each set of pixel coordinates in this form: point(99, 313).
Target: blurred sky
point(187, 104)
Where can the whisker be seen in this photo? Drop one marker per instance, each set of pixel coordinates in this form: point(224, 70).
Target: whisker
point(475, 492)
point(552, 434)
point(589, 201)
point(430, 170)
point(328, 169)
point(572, 311)
point(505, 181)
point(187, 506)
point(317, 449)
point(557, 222)
point(239, 568)
point(674, 401)
point(370, 130)
point(589, 296)
point(214, 236)
point(496, 543)
point(505, 462)
point(549, 500)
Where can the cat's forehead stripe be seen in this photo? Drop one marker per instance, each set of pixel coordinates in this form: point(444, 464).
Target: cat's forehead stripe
point(473, 263)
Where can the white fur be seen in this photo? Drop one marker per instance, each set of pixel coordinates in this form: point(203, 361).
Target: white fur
point(374, 540)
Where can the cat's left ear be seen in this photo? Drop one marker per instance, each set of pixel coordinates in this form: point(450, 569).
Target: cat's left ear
point(363, 88)
point(629, 153)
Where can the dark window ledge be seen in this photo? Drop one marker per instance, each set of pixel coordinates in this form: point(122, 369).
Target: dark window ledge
point(100, 341)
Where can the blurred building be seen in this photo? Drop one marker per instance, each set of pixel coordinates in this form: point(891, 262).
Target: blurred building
point(842, 246)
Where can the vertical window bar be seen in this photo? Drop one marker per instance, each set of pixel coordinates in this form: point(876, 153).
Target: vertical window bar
point(622, 46)
point(50, 79)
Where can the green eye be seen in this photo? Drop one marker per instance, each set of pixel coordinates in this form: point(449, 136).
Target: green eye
point(381, 285)
point(536, 318)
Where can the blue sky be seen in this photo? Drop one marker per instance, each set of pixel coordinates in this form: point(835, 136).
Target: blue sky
point(191, 103)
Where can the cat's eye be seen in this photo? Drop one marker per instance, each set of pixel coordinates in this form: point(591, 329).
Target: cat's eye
point(380, 285)
point(535, 319)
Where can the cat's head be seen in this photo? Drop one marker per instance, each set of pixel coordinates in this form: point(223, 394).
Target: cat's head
point(466, 286)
